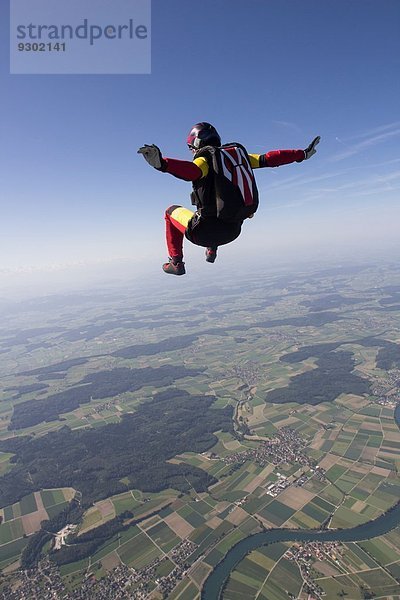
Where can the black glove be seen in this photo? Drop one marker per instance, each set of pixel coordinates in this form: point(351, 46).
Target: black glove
point(310, 150)
point(153, 156)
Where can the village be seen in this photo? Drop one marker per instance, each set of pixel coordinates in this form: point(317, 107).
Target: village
point(121, 583)
point(285, 448)
point(305, 555)
point(387, 390)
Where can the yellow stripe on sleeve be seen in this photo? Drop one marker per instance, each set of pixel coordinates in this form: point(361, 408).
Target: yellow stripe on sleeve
point(202, 164)
point(254, 160)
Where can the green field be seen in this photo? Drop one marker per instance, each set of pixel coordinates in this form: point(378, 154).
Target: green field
point(52, 497)
point(163, 536)
point(138, 552)
point(11, 531)
point(276, 512)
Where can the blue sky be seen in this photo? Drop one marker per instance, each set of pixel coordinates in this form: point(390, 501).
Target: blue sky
point(269, 74)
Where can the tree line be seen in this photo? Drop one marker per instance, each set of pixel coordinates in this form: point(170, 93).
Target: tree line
point(95, 461)
point(332, 377)
point(103, 384)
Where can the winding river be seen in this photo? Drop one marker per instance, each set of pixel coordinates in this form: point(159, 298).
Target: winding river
point(213, 585)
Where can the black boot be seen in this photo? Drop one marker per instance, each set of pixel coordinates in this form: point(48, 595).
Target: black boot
point(211, 254)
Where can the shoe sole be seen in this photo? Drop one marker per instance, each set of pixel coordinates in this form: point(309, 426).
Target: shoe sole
point(212, 258)
point(173, 272)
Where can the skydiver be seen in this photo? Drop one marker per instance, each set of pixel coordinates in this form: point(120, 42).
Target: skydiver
point(224, 190)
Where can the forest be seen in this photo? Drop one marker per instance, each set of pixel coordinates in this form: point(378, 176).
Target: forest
point(71, 514)
point(331, 301)
point(26, 389)
point(94, 461)
point(89, 332)
point(388, 356)
point(332, 377)
point(87, 544)
point(78, 546)
point(183, 341)
point(104, 384)
point(309, 320)
point(168, 345)
point(315, 351)
point(57, 367)
point(23, 337)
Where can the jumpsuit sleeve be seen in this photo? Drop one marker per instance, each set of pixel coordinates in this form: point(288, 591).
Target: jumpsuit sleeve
point(183, 169)
point(191, 171)
point(276, 158)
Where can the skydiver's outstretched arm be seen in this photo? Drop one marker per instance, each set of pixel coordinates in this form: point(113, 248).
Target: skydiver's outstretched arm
point(183, 169)
point(277, 158)
point(190, 171)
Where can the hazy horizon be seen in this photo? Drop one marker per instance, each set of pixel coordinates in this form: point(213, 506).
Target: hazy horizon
point(231, 270)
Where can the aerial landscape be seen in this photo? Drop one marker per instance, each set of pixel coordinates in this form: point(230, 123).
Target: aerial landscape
point(138, 446)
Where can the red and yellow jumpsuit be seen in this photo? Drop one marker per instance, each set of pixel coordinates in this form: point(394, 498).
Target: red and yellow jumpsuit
point(210, 231)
